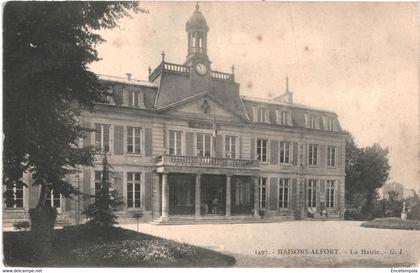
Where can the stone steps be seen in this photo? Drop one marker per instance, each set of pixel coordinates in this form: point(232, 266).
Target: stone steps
point(209, 220)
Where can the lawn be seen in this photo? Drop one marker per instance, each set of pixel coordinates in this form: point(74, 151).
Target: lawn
point(392, 223)
point(80, 247)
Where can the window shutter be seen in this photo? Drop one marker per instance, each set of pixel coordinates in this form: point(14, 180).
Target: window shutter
point(294, 148)
point(126, 98)
point(293, 194)
point(189, 143)
point(273, 116)
point(252, 148)
point(324, 123)
point(322, 156)
point(148, 142)
point(141, 99)
point(339, 195)
point(274, 152)
point(87, 140)
point(340, 156)
point(118, 140)
point(148, 191)
point(119, 187)
point(136, 99)
point(266, 116)
point(254, 114)
point(239, 147)
point(289, 119)
point(219, 146)
point(273, 202)
point(278, 117)
point(86, 188)
point(322, 185)
point(118, 95)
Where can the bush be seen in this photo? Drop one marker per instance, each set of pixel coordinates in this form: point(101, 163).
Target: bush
point(393, 223)
point(43, 218)
point(129, 251)
point(22, 225)
point(414, 212)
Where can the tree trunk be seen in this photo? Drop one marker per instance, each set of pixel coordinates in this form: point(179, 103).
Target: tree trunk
point(42, 226)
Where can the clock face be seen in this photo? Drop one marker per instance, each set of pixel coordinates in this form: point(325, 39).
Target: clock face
point(201, 69)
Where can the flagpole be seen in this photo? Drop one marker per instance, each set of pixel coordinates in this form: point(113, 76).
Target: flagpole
point(214, 132)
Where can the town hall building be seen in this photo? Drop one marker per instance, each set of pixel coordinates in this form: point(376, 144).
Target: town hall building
point(186, 146)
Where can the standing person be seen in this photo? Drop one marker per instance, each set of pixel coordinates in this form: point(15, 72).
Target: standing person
point(215, 203)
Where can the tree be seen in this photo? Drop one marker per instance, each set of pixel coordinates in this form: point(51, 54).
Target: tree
point(367, 169)
point(47, 49)
point(101, 213)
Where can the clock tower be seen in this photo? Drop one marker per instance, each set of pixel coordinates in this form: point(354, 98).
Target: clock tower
point(197, 58)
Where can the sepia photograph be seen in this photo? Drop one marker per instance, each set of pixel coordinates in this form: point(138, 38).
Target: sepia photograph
point(210, 135)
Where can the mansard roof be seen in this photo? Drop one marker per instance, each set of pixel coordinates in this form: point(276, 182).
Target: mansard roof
point(173, 88)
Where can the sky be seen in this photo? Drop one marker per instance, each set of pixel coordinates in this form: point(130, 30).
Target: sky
point(359, 60)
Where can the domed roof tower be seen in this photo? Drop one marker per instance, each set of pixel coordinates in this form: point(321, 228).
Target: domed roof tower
point(197, 29)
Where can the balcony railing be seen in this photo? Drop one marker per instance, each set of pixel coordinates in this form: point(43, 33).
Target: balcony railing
point(221, 76)
point(196, 161)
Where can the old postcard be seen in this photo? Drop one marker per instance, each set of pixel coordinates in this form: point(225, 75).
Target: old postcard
point(211, 134)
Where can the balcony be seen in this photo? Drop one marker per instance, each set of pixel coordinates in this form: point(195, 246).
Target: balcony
point(196, 161)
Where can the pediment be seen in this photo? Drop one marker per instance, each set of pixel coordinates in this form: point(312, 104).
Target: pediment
point(204, 107)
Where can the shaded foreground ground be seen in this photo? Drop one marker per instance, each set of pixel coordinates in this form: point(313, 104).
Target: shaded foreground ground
point(393, 223)
point(347, 244)
point(75, 247)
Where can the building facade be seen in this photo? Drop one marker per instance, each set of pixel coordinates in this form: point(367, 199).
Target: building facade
point(185, 145)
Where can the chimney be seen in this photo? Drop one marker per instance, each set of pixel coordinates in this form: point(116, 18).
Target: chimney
point(128, 76)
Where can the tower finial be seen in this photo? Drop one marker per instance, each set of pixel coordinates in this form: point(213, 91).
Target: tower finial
point(197, 6)
point(287, 84)
point(163, 56)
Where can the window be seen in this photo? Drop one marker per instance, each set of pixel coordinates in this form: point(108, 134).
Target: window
point(262, 192)
point(284, 152)
point(132, 98)
point(313, 155)
point(102, 137)
point(263, 115)
point(331, 153)
point(133, 140)
point(284, 193)
point(311, 195)
point(98, 183)
point(133, 190)
point(330, 124)
point(262, 150)
point(175, 140)
point(285, 117)
point(242, 193)
point(312, 121)
point(230, 146)
point(53, 199)
point(204, 145)
point(14, 195)
point(330, 193)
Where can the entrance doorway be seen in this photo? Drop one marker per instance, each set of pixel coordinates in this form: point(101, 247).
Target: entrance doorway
point(311, 196)
point(242, 195)
point(213, 195)
point(181, 194)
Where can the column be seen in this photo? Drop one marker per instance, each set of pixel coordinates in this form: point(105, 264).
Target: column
point(165, 196)
point(197, 195)
point(228, 195)
point(256, 196)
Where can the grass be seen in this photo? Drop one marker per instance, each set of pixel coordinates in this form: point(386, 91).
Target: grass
point(392, 223)
point(80, 247)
